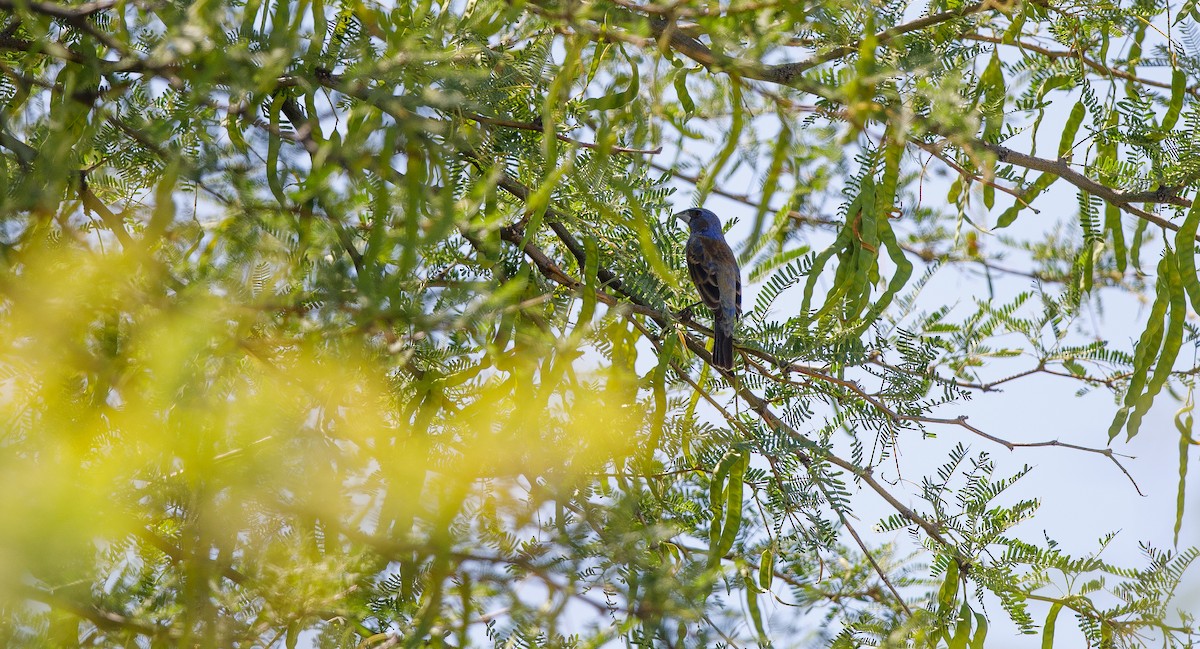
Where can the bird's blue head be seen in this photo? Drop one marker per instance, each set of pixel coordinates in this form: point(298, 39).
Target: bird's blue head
point(701, 221)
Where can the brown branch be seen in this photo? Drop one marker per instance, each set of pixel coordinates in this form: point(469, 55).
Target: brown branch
point(65, 12)
point(26, 155)
point(553, 272)
point(1063, 169)
point(112, 221)
point(1078, 56)
point(607, 278)
point(76, 16)
point(863, 546)
point(1106, 452)
point(892, 32)
point(127, 63)
point(993, 386)
point(177, 555)
point(684, 11)
point(529, 126)
point(937, 152)
point(960, 421)
point(106, 620)
point(789, 74)
point(304, 135)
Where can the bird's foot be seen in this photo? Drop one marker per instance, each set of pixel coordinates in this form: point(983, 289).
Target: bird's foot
point(685, 314)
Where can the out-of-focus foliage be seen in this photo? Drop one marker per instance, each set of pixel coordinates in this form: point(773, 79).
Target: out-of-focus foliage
point(350, 324)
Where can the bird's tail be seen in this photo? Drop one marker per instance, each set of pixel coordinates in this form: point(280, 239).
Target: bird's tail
point(723, 343)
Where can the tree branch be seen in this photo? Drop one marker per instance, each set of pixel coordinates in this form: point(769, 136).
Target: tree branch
point(899, 30)
point(528, 126)
point(1078, 56)
point(64, 12)
point(1063, 169)
point(789, 74)
point(106, 620)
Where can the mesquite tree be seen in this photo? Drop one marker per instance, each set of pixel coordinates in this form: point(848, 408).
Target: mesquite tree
point(354, 323)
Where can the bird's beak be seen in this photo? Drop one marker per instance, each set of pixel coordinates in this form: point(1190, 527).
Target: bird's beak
point(683, 216)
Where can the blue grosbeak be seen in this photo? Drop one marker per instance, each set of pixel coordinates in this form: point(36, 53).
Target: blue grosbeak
point(715, 273)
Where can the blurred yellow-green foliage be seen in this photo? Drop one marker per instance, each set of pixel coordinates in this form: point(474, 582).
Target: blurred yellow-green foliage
point(144, 413)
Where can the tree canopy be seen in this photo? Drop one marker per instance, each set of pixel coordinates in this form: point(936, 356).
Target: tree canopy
point(355, 324)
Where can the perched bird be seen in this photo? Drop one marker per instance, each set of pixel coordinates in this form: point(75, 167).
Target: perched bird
point(715, 273)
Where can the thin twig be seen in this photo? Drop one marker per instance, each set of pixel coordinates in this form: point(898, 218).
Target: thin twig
point(1077, 56)
point(106, 620)
point(899, 30)
point(790, 74)
point(937, 152)
point(530, 126)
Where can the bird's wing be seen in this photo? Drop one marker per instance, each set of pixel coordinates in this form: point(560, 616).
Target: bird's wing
point(704, 270)
point(729, 278)
point(738, 274)
point(715, 273)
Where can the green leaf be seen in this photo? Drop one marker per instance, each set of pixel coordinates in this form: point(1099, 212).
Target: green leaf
point(1183, 424)
point(1013, 33)
point(989, 189)
point(886, 237)
point(1178, 90)
point(1135, 248)
point(1185, 252)
point(599, 53)
point(995, 93)
point(320, 31)
point(766, 569)
point(681, 91)
point(948, 593)
point(709, 178)
point(1043, 181)
point(756, 616)
point(1112, 224)
point(779, 156)
point(1132, 90)
point(539, 201)
point(733, 506)
point(274, 182)
point(1171, 341)
point(867, 255)
point(962, 629)
point(981, 628)
point(1048, 628)
point(1188, 7)
point(1051, 83)
point(293, 634)
point(955, 191)
point(1147, 347)
point(618, 98)
point(164, 201)
point(843, 240)
point(716, 503)
point(1067, 141)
